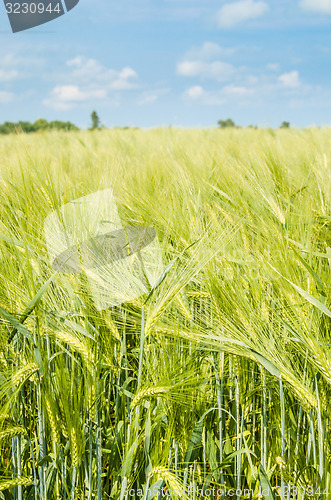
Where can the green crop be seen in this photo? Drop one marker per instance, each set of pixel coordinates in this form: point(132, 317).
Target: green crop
point(220, 377)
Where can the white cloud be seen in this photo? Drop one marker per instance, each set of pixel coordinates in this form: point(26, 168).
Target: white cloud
point(219, 96)
point(194, 92)
point(217, 70)
point(235, 13)
point(236, 90)
point(151, 96)
point(18, 64)
point(8, 75)
point(121, 84)
point(244, 90)
point(290, 80)
point(74, 93)
point(320, 6)
point(209, 50)
point(190, 68)
point(127, 72)
point(92, 71)
point(273, 66)
point(88, 80)
point(6, 97)
point(148, 98)
point(64, 96)
point(219, 83)
point(252, 79)
point(199, 95)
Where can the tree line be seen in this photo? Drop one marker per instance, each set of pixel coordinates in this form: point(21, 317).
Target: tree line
point(229, 123)
point(38, 125)
point(43, 125)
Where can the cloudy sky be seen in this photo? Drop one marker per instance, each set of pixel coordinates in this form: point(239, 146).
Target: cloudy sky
point(172, 62)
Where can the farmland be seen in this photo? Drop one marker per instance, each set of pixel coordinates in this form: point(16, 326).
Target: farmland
point(219, 378)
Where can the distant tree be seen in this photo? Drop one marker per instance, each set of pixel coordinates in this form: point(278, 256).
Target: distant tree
point(58, 125)
point(95, 120)
point(226, 123)
point(7, 128)
point(41, 124)
point(285, 125)
point(26, 127)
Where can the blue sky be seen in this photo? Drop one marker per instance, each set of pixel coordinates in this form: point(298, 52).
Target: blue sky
point(184, 63)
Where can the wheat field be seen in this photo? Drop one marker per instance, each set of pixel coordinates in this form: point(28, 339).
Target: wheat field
point(216, 384)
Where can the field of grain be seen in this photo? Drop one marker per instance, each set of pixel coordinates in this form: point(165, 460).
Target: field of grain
point(217, 384)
